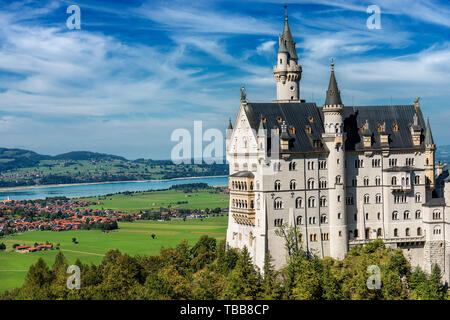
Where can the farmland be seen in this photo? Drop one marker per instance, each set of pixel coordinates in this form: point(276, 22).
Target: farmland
point(132, 238)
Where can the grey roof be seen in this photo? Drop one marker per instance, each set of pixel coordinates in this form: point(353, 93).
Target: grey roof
point(282, 47)
point(402, 115)
point(286, 37)
point(296, 115)
point(435, 202)
point(243, 174)
point(428, 136)
point(333, 93)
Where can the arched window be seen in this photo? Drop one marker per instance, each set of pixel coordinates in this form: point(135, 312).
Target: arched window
point(406, 215)
point(395, 215)
point(395, 232)
point(278, 204)
point(338, 179)
point(378, 198)
point(437, 230)
point(366, 198)
point(436, 215)
point(366, 181)
point(292, 185)
point(419, 231)
point(299, 220)
point(417, 180)
point(377, 181)
point(394, 181)
point(323, 218)
point(277, 185)
point(418, 214)
point(418, 198)
point(311, 183)
point(298, 203)
point(379, 232)
point(311, 202)
point(407, 232)
point(322, 183)
point(323, 201)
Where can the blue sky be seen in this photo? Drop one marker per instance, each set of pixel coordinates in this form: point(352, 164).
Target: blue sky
point(137, 70)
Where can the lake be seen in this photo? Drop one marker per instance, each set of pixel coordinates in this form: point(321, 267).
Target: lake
point(86, 190)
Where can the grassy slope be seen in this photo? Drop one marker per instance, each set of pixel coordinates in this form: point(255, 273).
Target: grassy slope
point(132, 238)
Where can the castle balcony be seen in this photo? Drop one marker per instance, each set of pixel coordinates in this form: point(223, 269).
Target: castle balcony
point(397, 240)
point(401, 189)
point(244, 216)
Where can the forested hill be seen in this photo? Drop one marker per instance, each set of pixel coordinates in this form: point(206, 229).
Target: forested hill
point(20, 167)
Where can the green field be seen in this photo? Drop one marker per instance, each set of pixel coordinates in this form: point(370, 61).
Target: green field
point(156, 199)
point(132, 238)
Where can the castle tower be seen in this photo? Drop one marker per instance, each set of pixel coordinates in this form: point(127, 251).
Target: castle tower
point(334, 139)
point(287, 72)
point(430, 148)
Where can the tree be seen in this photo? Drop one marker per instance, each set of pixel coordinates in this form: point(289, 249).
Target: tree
point(270, 285)
point(244, 281)
point(37, 282)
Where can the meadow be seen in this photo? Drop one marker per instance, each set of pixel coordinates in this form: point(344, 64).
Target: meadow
point(150, 200)
point(133, 238)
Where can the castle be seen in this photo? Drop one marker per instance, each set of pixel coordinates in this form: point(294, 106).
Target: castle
point(345, 175)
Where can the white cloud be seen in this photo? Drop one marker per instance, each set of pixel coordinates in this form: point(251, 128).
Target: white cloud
point(266, 47)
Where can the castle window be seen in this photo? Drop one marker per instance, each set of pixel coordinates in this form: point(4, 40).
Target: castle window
point(298, 203)
point(419, 231)
point(292, 166)
point(278, 222)
point(379, 215)
point(279, 119)
point(376, 163)
point(379, 231)
point(308, 129)
point(278, 204)
point(407, 232)
point(367, 216)
point(311, 184)
point(378, 198)
point(299, 220)
point(322, 164)
point(417, 180)
point(311, 202)
point(395, 128)
point(395, 232)
point(366, 181)
point(323, 201)
point(277, 185)
point(339, 215)
point(349, 200)
point(436, 215)
point(377, 181)
point(394, 181)
point(356, 233)
point(323, 218)
point(292, 185)
point(418, 215)
point(437, 230)
point(418, 198)
point(359, 163)
point(338, 180)
point(311, 119)
point(366, 198)
point(354, 182)
point(406, 215)
point(323, 183)
point(395, 215)
point(367, 233)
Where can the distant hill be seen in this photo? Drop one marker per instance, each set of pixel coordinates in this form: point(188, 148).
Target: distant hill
point(19, 158)
point(443, 154)
point(87, 155)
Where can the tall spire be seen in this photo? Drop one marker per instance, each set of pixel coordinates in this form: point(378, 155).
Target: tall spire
point(229, 124)
point(428, 136)
point(333, 93)
point(286, 37)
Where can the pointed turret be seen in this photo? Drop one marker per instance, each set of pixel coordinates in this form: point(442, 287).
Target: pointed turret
point(229, 124)
point(262, 128)
point(287, 38)
point(428, 136)
point(333, 93)
point(287, 72)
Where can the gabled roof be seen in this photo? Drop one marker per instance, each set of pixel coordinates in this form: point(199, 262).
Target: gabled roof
point(400, 116)
point(304, 116)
